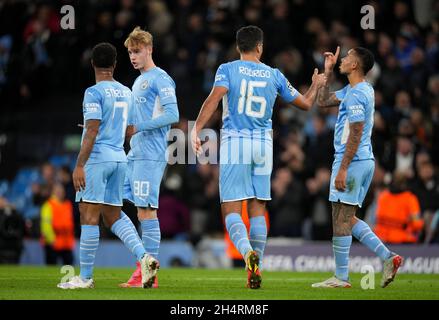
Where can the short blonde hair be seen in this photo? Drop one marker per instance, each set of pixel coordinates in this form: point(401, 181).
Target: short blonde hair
point(138, 37)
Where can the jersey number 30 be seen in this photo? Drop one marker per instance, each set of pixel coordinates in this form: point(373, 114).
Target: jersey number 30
point(246, 91)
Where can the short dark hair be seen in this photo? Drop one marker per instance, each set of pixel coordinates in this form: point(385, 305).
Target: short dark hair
point(104, 55)
point(366, 57)
point(248, 37)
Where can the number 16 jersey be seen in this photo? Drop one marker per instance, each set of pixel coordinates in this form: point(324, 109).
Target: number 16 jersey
point(252, 91)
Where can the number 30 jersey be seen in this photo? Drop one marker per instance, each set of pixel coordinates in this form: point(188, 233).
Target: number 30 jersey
point(252, 91)
point(110, 102)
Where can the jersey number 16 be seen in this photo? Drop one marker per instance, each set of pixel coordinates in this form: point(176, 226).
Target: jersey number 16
point(246, 91)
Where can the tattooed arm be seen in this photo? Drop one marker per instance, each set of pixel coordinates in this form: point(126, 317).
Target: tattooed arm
point(306, 101)
point(325, 98)
point(92, 129)
point(354, 138)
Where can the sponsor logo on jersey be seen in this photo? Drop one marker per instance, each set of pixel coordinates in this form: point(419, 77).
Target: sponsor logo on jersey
point(167, 92)
point(91, 107)
point(140, 99)
point(356, 110)
point(144, 85)
point(219, 77)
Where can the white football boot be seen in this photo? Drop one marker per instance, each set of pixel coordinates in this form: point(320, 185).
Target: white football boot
point(77, 283)
point(390, 268)
point(332, 282)
point(149, 266)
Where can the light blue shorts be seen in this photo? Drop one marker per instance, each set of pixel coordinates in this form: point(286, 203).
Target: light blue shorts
point(103, 183)
point(359, 177)
point(142, 182)
point(245, 169)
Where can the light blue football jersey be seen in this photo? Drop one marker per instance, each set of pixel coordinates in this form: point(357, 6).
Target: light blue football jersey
point(153, 91)
point(110, 102)
point(252, 91)
point(357, 105)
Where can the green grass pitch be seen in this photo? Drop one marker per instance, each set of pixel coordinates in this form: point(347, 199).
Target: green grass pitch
point(23, 282)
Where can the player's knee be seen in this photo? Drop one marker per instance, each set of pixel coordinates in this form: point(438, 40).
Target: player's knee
point(146, 213)
point(89, 220)
point(108, 222)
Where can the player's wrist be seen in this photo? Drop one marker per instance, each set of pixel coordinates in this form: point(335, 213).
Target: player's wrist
point(329, 71)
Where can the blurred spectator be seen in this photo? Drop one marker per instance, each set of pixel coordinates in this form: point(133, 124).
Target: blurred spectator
point(404, 157)
point(42, 189)
point(319, 148)
point(398, 213)
point(319, 207)
point(435, 132)
point(405, 46)
point(5, 51)
point(11, 233)
point(426, 188)
point(286, 206)
point(174, 214)
point(57, 228)
point(64, 176)
point(420, 71)
point(381, 137)
point(278, 26)
point(391, 79)
point(40, 44)
point(403, 106)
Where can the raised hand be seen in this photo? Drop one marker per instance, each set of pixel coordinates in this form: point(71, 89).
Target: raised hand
point(331, 59)
point(319, 79)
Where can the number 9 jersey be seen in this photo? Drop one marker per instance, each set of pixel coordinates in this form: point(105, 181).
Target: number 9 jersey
point(252, 91)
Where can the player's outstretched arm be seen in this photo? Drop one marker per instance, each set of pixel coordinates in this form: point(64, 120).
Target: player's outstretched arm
point(170, 116)
point(306, 101)
point(91, 131)
point(325, 98)
point(208, 108)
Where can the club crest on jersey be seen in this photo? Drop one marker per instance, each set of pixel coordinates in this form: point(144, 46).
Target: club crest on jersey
point(144, 85)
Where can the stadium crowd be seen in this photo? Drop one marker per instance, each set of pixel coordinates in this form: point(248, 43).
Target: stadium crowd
point(44, 69)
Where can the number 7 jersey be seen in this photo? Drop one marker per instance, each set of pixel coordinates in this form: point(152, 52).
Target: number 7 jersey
point(110, 102)
point(252, 91)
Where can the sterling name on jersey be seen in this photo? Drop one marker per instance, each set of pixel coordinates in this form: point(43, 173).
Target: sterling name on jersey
point(153, 91)
point(252, 91)
point(110, 102)
point(357, 105)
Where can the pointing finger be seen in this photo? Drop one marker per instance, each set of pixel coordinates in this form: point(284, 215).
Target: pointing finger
point(337, 52)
